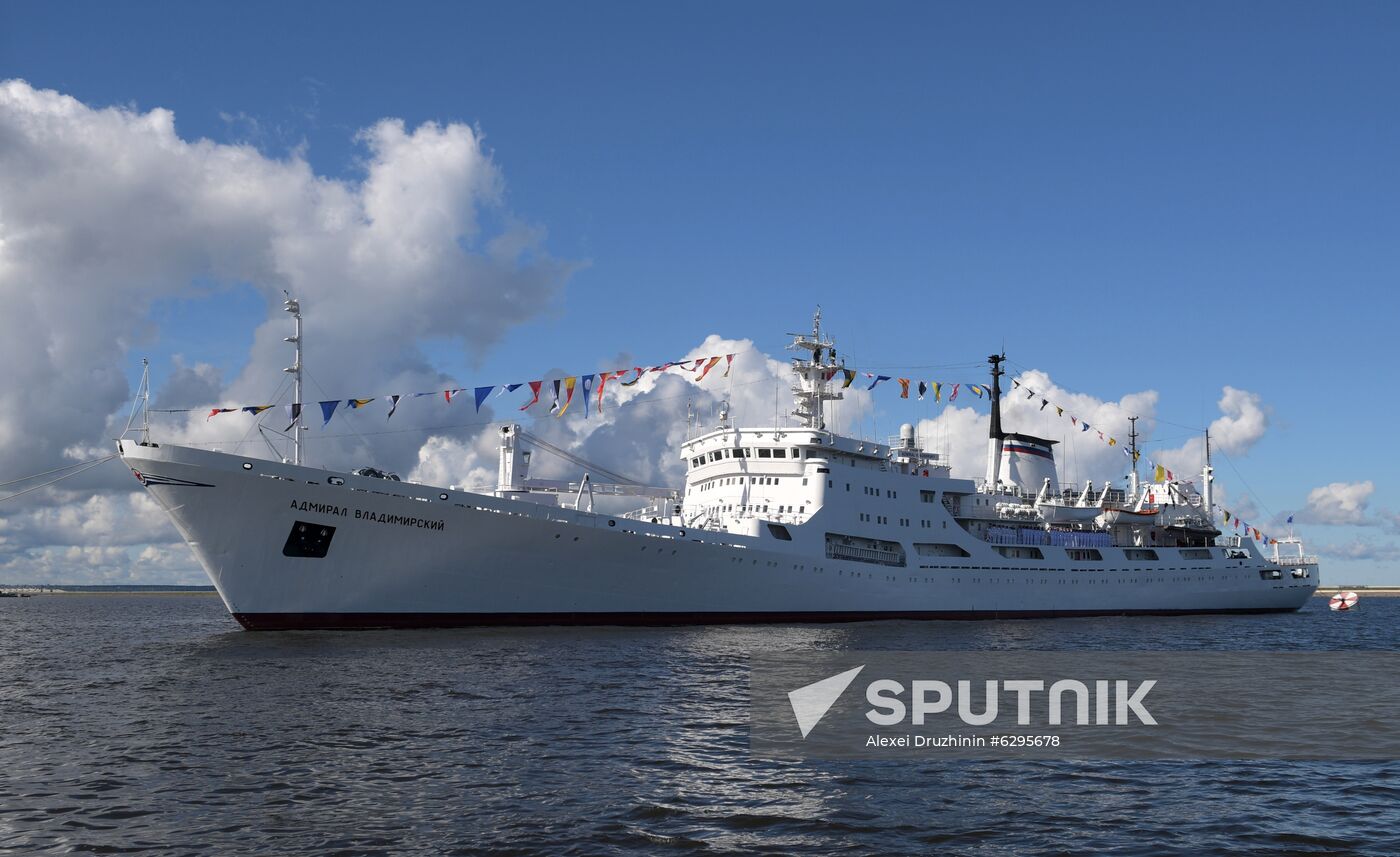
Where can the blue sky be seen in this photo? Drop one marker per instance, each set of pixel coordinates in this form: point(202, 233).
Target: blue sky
point(1127, 196)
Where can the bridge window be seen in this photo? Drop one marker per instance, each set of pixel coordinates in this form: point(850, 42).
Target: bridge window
point(764, 452)
point(780, 453)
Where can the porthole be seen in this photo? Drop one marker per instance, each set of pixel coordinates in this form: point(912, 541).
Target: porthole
point(442, 496)
point(612, 523)
point(247, 465)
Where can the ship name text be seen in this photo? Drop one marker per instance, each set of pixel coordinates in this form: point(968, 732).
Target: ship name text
point(364, 515)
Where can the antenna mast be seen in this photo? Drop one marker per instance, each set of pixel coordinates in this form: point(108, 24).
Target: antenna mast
point(995, 436)
point(1207, 485)
point(814, 374)
point(1133, 450)
point(145, 401)
point(293, 306)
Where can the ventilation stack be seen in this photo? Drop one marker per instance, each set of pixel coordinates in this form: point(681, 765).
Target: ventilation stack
point(1027, 462)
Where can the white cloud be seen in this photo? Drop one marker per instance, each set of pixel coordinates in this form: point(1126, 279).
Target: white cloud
point(104, 211)
point(1340, 503)
point(1081, 455)
point(640, 430)
point(76, 517)
point(170, 563)
point(1242, 423)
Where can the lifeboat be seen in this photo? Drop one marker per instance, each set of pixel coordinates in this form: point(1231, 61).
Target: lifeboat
point(1065, 513)
point(1113, 517)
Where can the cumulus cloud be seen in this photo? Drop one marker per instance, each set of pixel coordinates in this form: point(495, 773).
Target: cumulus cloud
point(641, 428)
point(1346, 504)
point(1242, 423)
point(1340, 504)
point(168, 563)
point(202, 382)
point(962, 430)
point(105, 211)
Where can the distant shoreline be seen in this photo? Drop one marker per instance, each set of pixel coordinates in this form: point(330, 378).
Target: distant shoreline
point(1386, 591)
point(87, 589)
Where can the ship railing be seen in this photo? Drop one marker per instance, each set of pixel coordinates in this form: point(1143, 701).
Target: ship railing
point(882, 557)
point(1047, 538)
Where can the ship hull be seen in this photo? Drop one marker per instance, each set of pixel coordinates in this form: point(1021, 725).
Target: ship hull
point(401, 555)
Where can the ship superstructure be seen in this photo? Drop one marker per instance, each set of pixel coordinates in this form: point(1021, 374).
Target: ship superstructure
point(773, 524)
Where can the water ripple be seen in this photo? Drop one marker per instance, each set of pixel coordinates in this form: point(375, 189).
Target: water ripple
point(143, 724)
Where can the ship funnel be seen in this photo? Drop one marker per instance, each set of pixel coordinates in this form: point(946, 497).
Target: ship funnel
point(1028, 462)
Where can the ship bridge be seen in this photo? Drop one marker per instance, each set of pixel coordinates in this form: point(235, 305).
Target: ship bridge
point(784, 474)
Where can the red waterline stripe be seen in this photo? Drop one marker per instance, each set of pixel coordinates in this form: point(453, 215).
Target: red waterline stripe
point(339, 621)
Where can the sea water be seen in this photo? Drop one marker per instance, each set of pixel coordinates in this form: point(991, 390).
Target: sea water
point(152, 724)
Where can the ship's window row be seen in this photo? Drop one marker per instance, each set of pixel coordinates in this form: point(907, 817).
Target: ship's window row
point(739, 480)
point(745, 452)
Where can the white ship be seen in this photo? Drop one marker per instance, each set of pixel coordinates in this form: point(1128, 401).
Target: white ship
point(774, 524)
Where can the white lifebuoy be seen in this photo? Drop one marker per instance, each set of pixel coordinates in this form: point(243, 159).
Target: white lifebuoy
point(1343, 601)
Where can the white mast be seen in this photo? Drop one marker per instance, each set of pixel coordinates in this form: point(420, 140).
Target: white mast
point(811, 387)
point(145, 400)
point(293, 306)
point(1207, 478)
